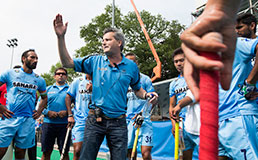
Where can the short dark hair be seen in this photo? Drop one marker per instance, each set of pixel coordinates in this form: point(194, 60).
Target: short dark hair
point(25, 53)
point(247, 19)
point(119, 36)
point(177, 52)
point(61, 68)
point(130, 54)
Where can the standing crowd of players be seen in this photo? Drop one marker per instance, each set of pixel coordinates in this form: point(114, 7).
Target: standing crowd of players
point(110, 98)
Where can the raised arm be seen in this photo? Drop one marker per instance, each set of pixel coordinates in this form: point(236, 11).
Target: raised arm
point(60, 29)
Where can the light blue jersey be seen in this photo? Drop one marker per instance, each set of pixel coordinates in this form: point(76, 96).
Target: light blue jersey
point(178, 87)
point(77, 91)
point(135, 104)
point(110, 84)
point(231, 102)
point(56, 102)
point(21, 91)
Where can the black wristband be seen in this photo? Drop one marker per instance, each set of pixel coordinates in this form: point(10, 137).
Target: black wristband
point(70, 115)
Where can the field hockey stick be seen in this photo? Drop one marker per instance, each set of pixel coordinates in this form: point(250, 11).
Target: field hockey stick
point(143, 112)
point(135, 143)
point(176, 141)
point(65, 142)
point(209, 101)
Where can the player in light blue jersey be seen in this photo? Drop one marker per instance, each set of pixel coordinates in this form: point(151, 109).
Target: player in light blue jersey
point(112, 75)
point(177, 91)
point(178, 87)
point(135, 106)
point(18, 123)
point(238, 112)
point(192, 122)
point(246, 27)
point(80, 91)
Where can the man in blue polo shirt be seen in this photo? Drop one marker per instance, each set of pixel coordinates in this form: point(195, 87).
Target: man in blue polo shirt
point(80, 91)
point(111, 77)
point(19, 112)
point(55, 116)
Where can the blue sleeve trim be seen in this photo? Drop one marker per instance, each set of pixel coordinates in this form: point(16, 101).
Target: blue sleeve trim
point(253, 47)
point(134, 86)
point(72, 95)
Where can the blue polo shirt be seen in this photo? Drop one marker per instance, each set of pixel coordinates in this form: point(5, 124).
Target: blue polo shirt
point(21, 91)
point(178, 87)
point(77, 91)
point(135, 104)
point(232, 103)
point(56, 102)
point(110, 84)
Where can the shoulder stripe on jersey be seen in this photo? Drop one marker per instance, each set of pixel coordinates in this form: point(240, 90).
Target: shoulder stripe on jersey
point(137, 80)
point(84, 59)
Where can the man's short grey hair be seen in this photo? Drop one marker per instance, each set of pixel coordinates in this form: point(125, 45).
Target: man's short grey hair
point(119, 36)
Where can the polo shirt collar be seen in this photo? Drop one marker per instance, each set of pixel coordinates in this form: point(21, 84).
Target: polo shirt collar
point(65, 85)
point(122, 62)
point(180, 75)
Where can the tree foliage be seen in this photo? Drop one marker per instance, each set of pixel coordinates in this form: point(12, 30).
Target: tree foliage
point(49, 77)
point(163, 34)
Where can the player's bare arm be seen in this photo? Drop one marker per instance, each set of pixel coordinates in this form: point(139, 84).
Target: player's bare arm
point(42, 104)
point(141, 93)
point(60, 29)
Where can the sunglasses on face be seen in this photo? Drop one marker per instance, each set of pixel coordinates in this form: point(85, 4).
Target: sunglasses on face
point(60, 73)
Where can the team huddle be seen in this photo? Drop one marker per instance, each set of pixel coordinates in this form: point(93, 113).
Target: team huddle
point(110, 99)
point(238, 111)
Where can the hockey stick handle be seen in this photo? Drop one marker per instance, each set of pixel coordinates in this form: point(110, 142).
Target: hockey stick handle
point(176, 140)
point(65, 142)
point(209, 101)
point(135, 143)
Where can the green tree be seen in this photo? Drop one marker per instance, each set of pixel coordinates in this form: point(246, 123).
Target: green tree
point(93, 32)
point(49, 77)
point(164, 35)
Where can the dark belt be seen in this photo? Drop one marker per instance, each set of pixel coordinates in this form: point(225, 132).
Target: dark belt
point(91, 111)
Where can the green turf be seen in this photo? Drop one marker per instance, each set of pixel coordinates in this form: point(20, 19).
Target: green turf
point(55, 155)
